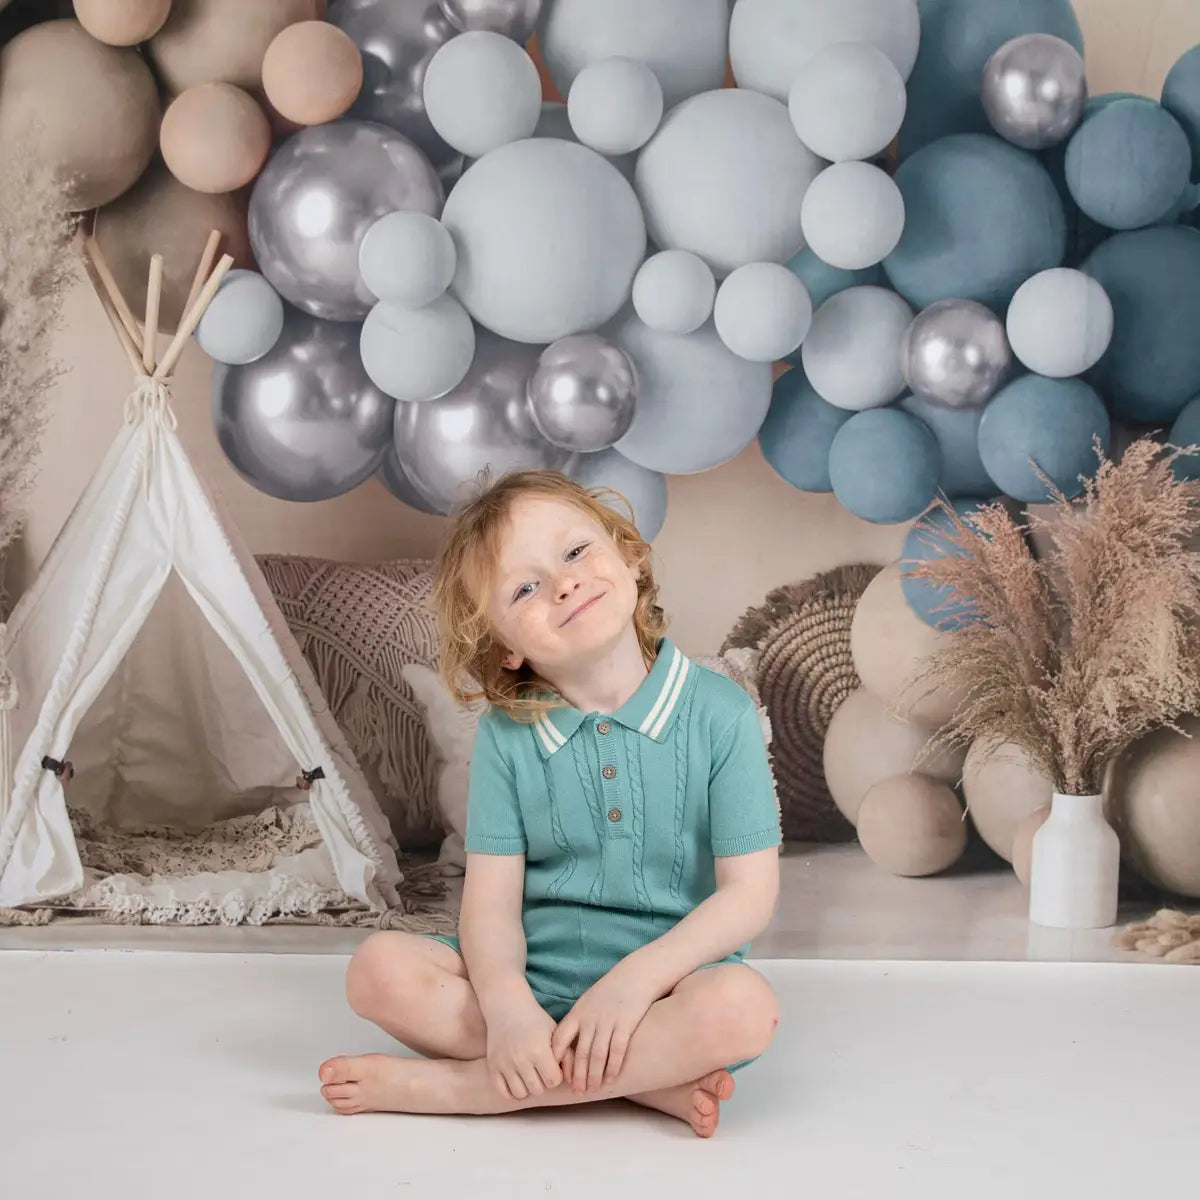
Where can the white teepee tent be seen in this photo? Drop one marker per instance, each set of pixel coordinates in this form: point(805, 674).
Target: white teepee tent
point(145, 525)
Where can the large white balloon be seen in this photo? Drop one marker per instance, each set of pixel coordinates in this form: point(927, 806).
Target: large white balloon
point(549, 237)
point(852, 215)
point(1060, 322)
point(615, 105)
point(699, 404)
point(852, 353)
point(673, 291)
point(417, 353)
point(481, 91)
point(762, 312)
point(770, 40)
point(407, 258)
point(684, 42)
point(847, 102)
point(723, 177)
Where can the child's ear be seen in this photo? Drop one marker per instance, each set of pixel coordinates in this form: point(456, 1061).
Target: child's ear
point(510, 660)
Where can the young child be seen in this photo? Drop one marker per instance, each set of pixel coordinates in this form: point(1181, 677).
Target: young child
point(622, 842)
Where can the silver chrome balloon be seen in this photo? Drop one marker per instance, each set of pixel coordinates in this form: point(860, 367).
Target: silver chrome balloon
point(583, 393)
point(396, 39)
point(956, 354)
point(485, 422)
point(1034, 90)
point(314, 201)
point(303, 422)
point(513, 18)
point(394, 477)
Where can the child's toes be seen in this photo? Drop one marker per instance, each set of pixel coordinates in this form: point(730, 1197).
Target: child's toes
point(337, 1070)
point(339, 1091)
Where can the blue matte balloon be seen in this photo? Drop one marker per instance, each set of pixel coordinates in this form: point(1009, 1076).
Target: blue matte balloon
point(1185, 432)
point(823, 281)
point(645, 490)
point(884, 466)
point(957, 39)
point(957, 433)
point(981, 217)
point(927, 539)
point(1152, 276)
point(1181, 98)
point(1050, 422)
point(1128, 164)
point(799, 429)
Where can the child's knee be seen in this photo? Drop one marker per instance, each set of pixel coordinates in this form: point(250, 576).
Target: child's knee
point(740, 1011)
point(375, 970)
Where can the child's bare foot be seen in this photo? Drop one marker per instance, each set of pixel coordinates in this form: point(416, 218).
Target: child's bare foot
point(382, 1083)
point(698, 1103)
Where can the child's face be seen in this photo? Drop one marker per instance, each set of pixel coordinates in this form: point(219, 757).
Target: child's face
point(561, 591)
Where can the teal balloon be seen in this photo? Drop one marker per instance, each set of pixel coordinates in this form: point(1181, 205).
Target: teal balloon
point(957, 39)
point(884, 466)
point(1152, 366)
point(1185, 432)
point(1052, 423)
point(957, 434)
point(1128, 164)
point(981, 217)
point(936, 605)
point(799, 429)
point(1181, 98)
point(823, 281)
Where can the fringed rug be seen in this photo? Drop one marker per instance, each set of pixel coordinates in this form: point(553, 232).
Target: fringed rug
point(268, 868)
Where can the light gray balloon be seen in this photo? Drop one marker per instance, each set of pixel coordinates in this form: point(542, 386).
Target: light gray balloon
point(243, 321)
point(1034, 90)
point(303, 422)
point(583, 393)
point(314, 201)
point(484, 422)
point(956, 354)
point(645, 490)
point(513, 18)
point(396, 38)
point(395, 478)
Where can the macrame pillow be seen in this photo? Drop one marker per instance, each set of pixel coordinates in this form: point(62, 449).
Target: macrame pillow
point(358, 626)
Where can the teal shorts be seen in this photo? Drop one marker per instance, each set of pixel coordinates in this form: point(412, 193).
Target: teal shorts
point(557, 1007)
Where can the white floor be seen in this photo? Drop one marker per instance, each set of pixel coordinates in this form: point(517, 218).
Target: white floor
point(193, 1076)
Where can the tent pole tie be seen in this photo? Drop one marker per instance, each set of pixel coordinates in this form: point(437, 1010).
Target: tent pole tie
point(306, 779)
point(64, 770)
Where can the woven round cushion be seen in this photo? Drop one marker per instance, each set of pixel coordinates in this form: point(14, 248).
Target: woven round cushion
point(801, 635)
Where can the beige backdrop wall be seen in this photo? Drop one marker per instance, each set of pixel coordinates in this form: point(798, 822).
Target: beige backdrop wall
point(731, 534)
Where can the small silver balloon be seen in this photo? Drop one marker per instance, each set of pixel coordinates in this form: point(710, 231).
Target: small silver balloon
point(314, 201)
point(583, 393)
point(396, 39)
point(485, 422)
point(303, 422)
point(1034, 90)
point(956, 354)
point(395, 478)
point(515, 19)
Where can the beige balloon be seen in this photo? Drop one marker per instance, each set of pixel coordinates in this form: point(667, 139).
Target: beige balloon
point(889, 644)
point(312, 72)
point(1002, 788)
point(163, 216)
point(222, 41)
point(865, 743)
point(89, 110)
point(122, 22)
point(215, 137)
point(912, 825)
point(1022, 846)
point(1154, 804)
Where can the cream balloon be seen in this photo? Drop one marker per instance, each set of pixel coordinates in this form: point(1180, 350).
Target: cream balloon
point(1002, 788)
point(312, 72)
point(122, 22)
point(215, 138)
point(912, 825)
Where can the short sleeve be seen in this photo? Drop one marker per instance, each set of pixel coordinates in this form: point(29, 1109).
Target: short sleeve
point(743, 813)
point(494, 823)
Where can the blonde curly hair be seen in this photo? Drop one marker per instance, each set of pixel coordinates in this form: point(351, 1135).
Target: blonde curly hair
point(470, 655)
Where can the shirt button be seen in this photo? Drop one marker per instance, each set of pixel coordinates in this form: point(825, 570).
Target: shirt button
point(603, 727)
point(609, 772)
point(614, 814)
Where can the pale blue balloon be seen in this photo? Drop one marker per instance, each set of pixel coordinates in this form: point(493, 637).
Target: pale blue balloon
point(884, 466)
point(824, 281)
point(646, 491)
point(243, 321)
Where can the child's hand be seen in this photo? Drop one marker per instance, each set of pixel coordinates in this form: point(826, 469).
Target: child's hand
point(600, 1026)
point(518, 1051)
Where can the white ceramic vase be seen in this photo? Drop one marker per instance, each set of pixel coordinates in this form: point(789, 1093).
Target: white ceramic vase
point(1075, 866)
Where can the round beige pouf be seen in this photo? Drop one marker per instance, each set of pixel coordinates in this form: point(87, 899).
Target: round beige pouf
point(219, 41)
point(91, 110)
point(215, 137)
point(1001, 789)
point(1022, 844)
point(1154, 804)
point(889, 644)
point(912, 825)
point(122, 22)
point(312, 72)
point(865, 743)
point(163, 216)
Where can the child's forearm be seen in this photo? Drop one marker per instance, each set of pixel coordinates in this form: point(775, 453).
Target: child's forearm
point(493, 949)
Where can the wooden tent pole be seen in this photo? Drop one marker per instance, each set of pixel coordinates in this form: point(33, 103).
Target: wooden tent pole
point(153, 301)
point(192, 318)
point(110, 309)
